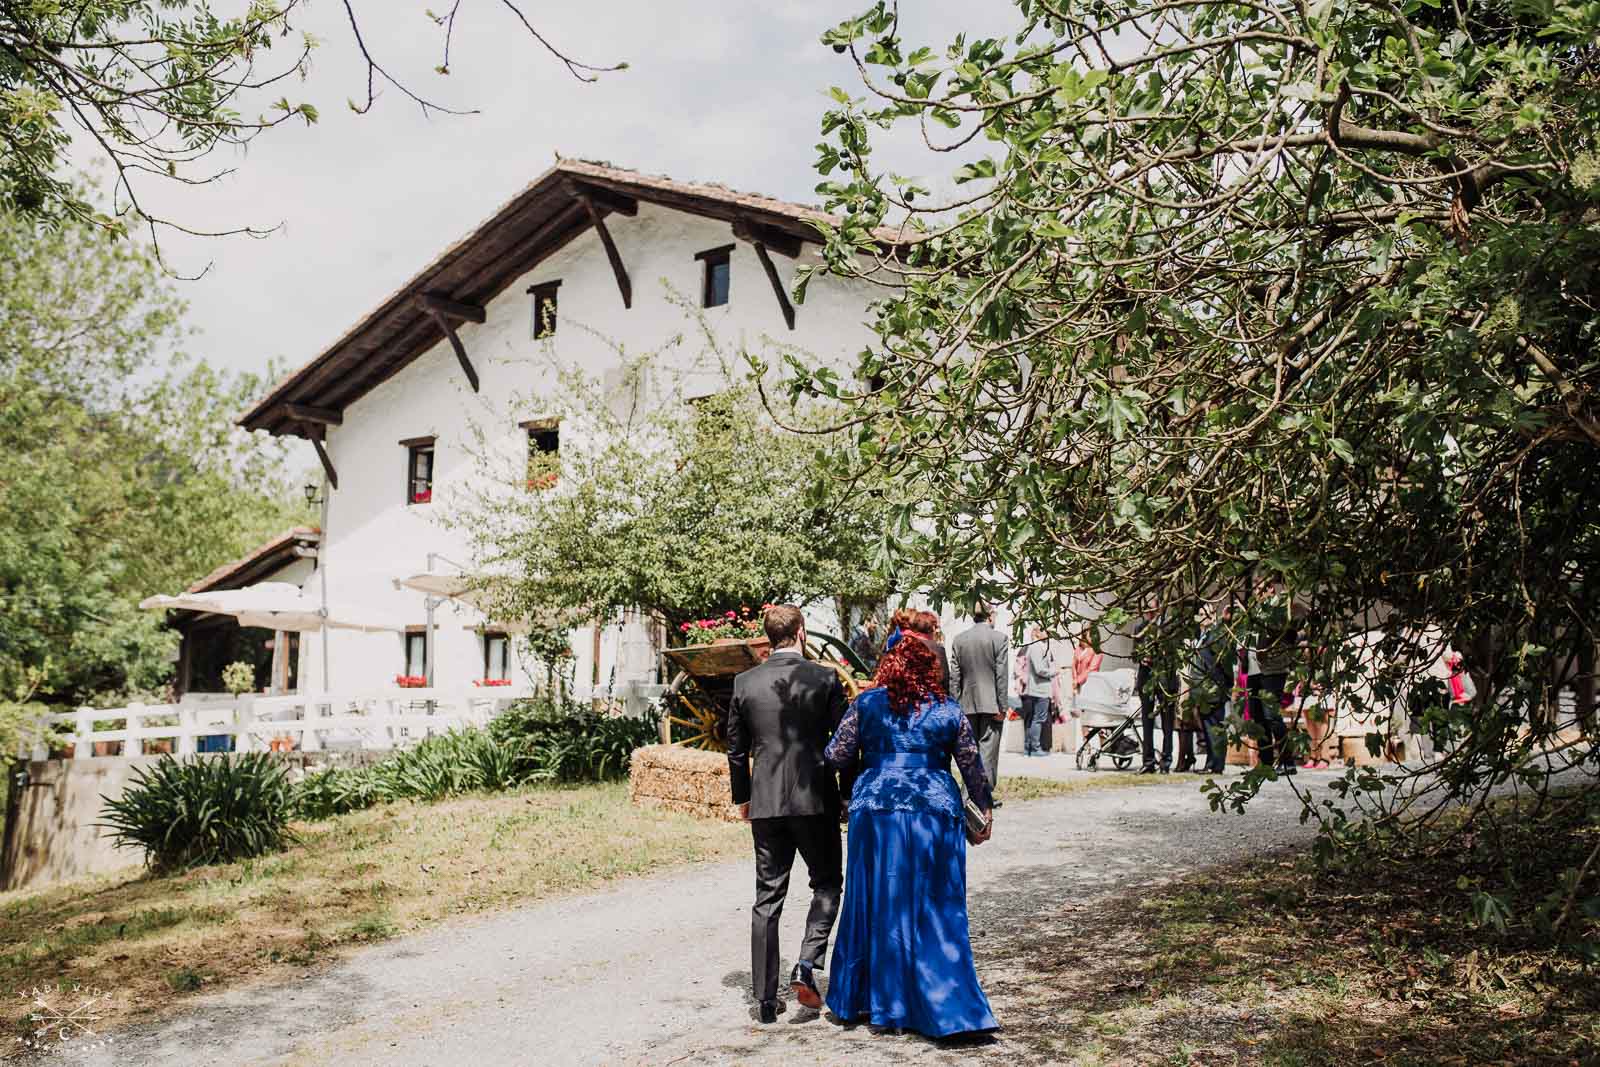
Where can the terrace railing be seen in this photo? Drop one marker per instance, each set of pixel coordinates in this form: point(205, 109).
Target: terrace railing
point(383, 719)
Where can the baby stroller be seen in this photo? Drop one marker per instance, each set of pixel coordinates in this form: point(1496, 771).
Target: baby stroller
point(1107, 708)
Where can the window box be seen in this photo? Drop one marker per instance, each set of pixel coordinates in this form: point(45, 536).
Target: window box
point(410, 681)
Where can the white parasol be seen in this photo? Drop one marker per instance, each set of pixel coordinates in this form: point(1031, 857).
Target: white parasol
point(274, 606)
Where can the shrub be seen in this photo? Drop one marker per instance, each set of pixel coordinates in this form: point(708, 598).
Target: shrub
point(336, 791)
point(570, 743)
point(204, 809)
point(533, 741)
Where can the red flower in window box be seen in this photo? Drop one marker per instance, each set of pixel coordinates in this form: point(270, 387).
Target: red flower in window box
point(543, 480)
point(424, 496)
point(492, 681)
point(410, 681)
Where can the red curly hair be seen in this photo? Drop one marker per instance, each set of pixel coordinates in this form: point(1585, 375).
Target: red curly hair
point(912, 675)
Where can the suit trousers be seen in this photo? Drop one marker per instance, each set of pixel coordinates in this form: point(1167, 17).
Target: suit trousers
point(986, 730)
point(1149, 710)
point(1214, 728)
point(816, 838)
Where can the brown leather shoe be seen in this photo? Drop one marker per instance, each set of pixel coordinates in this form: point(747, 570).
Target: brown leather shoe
point(804, 986)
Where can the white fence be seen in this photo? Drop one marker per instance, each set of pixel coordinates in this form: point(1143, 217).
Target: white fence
point(389, 718)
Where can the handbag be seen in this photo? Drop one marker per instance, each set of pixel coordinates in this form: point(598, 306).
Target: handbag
point(974, 821)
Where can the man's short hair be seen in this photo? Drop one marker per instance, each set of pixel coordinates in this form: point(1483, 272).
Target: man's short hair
point(980, 613)
point(782, 623)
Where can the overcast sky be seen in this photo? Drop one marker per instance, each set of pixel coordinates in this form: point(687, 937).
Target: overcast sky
point(717, 91)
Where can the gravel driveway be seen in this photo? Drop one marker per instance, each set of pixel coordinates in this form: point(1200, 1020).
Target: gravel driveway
point(656, 970)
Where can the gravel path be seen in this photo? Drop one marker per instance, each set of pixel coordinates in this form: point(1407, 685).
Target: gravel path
point(656, 970)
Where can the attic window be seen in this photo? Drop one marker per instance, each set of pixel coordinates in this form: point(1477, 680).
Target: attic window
point(714, 286)
point(544, 308)
point(419, 469)
point(544, 452)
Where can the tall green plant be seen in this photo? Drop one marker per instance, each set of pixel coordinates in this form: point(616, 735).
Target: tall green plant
point(203, 810)
point(125, 475)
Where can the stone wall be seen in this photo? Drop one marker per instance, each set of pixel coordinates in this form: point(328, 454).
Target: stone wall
point(689, 781)
point(50, 831)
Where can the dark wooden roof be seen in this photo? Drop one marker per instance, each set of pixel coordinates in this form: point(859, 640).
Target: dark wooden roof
point(262, 562)
point(535, 224)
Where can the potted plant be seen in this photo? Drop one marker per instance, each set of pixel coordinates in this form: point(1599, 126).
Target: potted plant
point(239, 677)
point(410, 681)
point(730, 627)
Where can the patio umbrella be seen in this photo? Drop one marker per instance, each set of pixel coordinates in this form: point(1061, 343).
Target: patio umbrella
point(275, 606)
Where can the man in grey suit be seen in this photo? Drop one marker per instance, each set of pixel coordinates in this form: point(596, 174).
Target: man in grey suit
point(979, 679)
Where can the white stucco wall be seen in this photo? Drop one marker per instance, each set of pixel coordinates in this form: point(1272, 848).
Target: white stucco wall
point(374, 536)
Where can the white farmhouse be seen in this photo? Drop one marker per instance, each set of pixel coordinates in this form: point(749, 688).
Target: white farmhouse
point(403, 405)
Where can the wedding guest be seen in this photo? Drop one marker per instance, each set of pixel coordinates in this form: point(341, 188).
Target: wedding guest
point(898, 623)
point(903, 955)
point(978, 665)
point(925, 626)
point(1086, 659)
point(1210, 683)
point(864, 642)
point(1039, 672)
point(1276, 650)
point(1157, 685)
point(778, 724)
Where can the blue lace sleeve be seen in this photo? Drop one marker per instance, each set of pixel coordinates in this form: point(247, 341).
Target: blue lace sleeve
point(971, 765)
point(846, 744)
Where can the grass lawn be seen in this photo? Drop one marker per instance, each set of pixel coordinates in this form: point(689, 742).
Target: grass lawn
point(358, 878)
point(1279, 963)
point(1024, 788)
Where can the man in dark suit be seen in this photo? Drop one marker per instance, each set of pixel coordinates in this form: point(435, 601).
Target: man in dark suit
point(1157, 685)
point(781, 718)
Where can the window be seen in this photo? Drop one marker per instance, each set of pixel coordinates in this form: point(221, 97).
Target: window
point(416, 653)
point(544, 308)
point(714, 288)
point(496, 657)
point(544, 452)
point(419, 470)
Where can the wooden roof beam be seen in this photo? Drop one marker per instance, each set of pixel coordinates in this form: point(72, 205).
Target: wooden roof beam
point(438, 309)
point(785, 244)
point(605, 198)
point(312, 413)
point(316, 432)
point(782, 243)
point(596, 209)
point(454, 309)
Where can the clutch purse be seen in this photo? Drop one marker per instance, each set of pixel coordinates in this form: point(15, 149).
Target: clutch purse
point(974, 820)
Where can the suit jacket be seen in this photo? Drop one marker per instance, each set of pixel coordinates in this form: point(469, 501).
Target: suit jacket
point(978, 670)
point(782, 715)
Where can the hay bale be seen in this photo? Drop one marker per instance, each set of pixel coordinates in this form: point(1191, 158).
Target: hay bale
point(721, 813)
point(684, 780)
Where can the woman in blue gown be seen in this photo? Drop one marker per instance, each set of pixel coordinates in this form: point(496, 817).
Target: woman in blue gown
point(902, 956)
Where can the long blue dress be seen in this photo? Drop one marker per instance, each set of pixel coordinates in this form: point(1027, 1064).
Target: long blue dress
point(902, 956)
